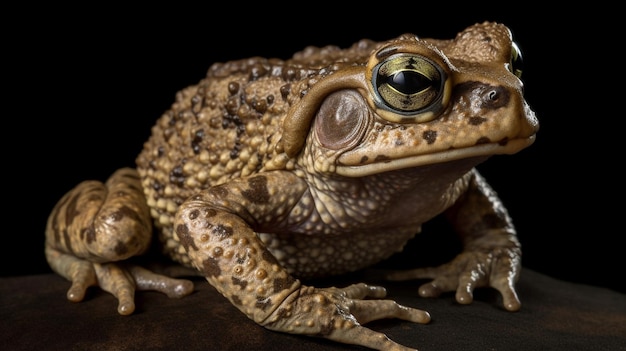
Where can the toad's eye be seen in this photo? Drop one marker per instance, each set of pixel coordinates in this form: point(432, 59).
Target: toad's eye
point(516, 64)
point(408, 84)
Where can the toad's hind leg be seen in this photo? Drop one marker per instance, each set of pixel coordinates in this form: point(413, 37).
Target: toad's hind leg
point(94, 228)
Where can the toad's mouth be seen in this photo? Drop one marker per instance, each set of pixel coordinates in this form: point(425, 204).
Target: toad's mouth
point(381, 163)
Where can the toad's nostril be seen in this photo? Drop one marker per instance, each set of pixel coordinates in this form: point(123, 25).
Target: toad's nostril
point(495, 97)
point(492, 95)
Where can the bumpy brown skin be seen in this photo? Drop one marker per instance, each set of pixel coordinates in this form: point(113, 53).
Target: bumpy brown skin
point(268, 171)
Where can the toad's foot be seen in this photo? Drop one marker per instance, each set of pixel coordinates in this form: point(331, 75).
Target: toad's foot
point(498, 269)
point(337, 314)
point(119, 279)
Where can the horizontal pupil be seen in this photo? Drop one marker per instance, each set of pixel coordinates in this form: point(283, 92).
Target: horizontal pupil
point(409, 82)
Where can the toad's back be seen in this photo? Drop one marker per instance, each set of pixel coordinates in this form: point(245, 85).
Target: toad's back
point(230, 126)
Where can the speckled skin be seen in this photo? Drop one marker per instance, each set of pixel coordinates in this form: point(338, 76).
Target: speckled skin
point(268, 171)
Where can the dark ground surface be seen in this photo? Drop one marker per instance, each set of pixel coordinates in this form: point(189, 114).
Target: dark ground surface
point(555, 315)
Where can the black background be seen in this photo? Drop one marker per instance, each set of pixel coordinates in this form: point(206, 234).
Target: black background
point(85, 87)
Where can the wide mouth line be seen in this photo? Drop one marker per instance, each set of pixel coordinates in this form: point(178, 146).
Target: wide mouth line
point(488, 149)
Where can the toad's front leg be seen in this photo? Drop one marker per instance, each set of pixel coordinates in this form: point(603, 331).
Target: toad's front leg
point(96, 226)
point(217, 228)
point(491, 254)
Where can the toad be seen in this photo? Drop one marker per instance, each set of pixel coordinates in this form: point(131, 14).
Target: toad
point(270, 172)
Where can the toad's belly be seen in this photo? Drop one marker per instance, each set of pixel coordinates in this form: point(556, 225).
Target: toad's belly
point(314, 256)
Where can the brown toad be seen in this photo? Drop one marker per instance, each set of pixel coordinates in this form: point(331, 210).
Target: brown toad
point(268, 171)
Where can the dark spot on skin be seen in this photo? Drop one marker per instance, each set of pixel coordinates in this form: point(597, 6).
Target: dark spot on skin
point(231, 119)
point(257, 71)
point(88, 234)
point(270, 99)
point(234, 153)
point(236, 300)
point(240, 260)
point(282, 284)
point(233, 88)
point(289, 74)
point(382, 158)
point(198, 136)
point(55, 226)
point(185, 238)
point(483, 140)
point(285, 90)
point(476, 120)
point(257, 193)
point(71, 211)
point(269, 258)
point(194, 214)
point(259, 106)
point(241, 283)
point(225, 122)
point(208, 213)
point(176, 176)
point(503, 142)
point(430, 136)
point(241, 129)
point(222, 231)
point(219, 192)
point(126, 212)
point(55, 217)
point(68, 242)
point(263, 303)
point(211, 268)
point(364, 159)
point(120, 249)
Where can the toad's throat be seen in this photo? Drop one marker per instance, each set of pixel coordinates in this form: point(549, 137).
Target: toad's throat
point(384, 165)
